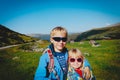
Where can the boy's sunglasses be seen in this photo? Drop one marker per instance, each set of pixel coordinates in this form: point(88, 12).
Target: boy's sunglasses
point(73, 60)
point(58, 39)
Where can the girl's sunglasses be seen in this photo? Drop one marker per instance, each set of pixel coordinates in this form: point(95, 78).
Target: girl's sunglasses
point(73, 60)
point(58, 39)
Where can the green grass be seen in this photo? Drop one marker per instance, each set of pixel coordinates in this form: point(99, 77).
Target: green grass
point(18, 65)
point(103, 59)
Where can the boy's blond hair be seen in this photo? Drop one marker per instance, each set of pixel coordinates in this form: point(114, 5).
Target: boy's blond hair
point(58, 29)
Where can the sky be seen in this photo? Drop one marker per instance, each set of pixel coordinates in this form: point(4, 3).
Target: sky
point(41, 16)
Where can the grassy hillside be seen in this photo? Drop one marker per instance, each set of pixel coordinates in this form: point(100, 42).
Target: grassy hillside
point(17, 64)
point(10, 37)
point(110, 32)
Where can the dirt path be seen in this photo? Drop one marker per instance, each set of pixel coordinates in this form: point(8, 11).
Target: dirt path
point(7, 47)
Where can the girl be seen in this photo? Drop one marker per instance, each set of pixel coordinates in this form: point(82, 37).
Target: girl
point(76, 62)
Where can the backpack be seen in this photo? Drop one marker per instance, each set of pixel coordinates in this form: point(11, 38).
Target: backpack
point(51, 63)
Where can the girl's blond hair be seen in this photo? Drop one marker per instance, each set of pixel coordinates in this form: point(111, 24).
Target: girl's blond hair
point(76, 53)
point(58, 29)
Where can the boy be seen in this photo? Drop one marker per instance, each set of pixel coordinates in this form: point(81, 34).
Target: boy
point(58, 38)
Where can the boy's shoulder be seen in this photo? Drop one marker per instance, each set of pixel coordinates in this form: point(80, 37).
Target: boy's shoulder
point(44, 54)
point(45, 51)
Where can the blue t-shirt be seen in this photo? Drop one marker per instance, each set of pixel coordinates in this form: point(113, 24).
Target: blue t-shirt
point(62, 61)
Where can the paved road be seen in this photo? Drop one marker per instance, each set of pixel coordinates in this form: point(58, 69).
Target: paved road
point(7, 46)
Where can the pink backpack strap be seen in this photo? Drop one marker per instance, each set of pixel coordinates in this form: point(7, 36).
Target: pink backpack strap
point(51, 64)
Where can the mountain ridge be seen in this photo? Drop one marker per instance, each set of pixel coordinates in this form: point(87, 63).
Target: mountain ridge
point(108, 32)
point(10, 37)
point(111, 32)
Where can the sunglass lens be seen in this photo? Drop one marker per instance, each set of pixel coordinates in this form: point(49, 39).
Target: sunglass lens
point(72, 60)
point(79, 60)
point(56, 39)
point(64, 39)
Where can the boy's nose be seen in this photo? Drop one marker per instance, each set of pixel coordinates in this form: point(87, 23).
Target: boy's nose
point(61, 41)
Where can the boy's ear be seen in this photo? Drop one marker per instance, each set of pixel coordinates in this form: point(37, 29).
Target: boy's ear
point(51, 40)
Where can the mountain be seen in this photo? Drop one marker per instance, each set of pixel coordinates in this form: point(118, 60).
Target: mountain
point(40, 36)
point(109, 32)
point(10, 37)
point(71, 36)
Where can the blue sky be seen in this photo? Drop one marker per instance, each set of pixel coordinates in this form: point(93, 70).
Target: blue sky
point(41, 16)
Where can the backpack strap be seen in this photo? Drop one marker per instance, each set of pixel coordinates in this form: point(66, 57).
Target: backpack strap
point(51, 64)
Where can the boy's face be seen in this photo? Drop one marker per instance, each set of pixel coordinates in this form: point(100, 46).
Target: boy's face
point(59, 41)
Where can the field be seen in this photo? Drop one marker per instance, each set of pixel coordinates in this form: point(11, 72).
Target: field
point(19, 64)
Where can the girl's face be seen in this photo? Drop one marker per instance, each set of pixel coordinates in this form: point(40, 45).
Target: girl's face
point(59, 41)
point(75, 62)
